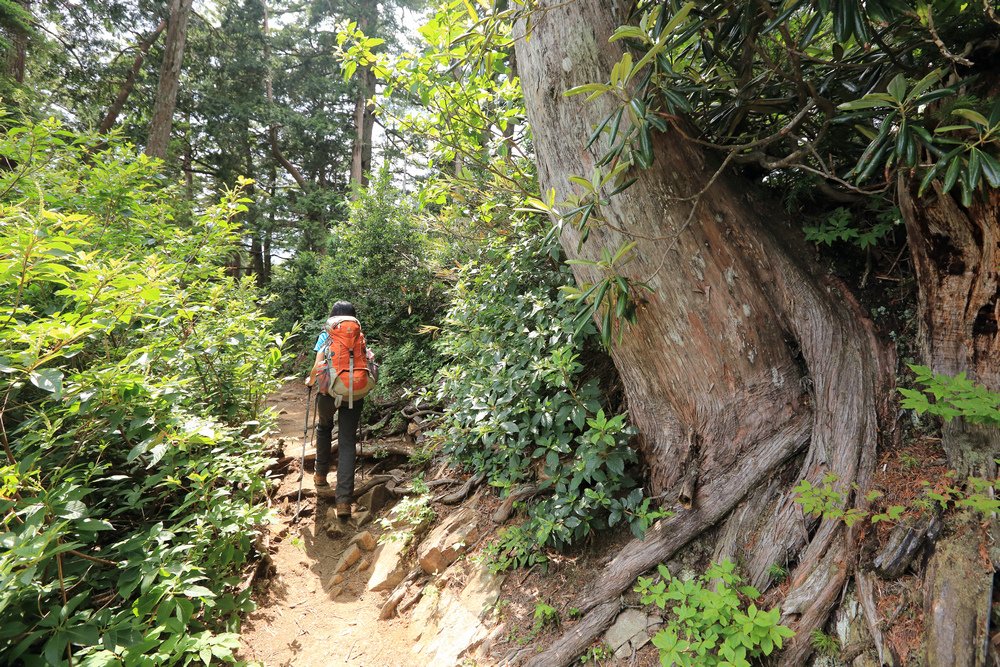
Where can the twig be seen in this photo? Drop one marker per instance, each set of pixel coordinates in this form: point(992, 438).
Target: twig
point(960, 60)
point(92, 559)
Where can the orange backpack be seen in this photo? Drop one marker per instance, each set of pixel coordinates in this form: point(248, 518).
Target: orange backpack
point(345, 370)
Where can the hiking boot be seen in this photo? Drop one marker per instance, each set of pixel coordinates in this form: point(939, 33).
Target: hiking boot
point(343, 511)
point(320, 481)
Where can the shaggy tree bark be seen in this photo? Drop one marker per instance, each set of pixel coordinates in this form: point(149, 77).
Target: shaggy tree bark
point(956, 258)
point(170, 76)
point(775, 370)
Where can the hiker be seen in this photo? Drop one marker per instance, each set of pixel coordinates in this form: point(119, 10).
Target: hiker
point(342, 390)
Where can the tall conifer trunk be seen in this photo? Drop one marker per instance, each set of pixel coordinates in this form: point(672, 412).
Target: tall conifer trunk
point(772, 370)
point(170, 75)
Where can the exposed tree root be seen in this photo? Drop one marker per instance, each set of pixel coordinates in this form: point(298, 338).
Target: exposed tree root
point(576, 640)
point(506, 508)
point(458, 495)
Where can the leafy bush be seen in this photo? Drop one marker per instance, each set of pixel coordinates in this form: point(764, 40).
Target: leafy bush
point(713, 620)
point(520, 405)
point(381, 262)
point(132, 374)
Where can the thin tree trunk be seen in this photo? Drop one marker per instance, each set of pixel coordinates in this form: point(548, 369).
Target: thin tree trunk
point(188, 163)
point(364, 123)
point(170, 74)
point(272, 130)
point(364, 119)
point(111, 117)
point(738, 343)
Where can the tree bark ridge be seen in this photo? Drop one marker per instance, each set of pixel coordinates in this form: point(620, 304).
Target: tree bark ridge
point(738, 342)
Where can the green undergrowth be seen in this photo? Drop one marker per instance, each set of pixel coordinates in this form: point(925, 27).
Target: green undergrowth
point(521, 406)
point(941, 397)
point(382, 261)
point(133, 374)
point(712, 619)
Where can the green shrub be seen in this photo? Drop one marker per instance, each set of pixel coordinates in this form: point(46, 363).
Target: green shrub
point(713, 619)
point(132, 377)
point(520, 404)
point(382, 262)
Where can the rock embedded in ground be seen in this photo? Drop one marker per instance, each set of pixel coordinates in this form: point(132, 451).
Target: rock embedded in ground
point(629, 632)
point(387, 566)
point(448, 541)
point(336, 529)
point(365, 540)
point(376, 499)
point(450, 625)
point(351, 556)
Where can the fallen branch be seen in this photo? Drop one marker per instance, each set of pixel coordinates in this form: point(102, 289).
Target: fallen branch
point(372, 483)
point(446, 481)
point(389, 608)
point(288, 495)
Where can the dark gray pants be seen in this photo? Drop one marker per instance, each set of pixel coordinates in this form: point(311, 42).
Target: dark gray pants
point(347, 437)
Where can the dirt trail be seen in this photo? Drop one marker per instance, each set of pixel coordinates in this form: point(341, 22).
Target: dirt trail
point(301, 618)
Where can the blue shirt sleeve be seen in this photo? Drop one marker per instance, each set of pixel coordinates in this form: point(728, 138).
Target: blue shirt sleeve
point(320, 341)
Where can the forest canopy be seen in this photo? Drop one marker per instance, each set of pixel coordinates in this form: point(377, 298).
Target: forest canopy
point(710, 270)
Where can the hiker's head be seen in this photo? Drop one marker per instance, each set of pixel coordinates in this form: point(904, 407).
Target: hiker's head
point(343, 308)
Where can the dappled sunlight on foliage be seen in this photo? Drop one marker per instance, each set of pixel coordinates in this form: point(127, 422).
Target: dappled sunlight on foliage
point(133, 379)
point(521, 407)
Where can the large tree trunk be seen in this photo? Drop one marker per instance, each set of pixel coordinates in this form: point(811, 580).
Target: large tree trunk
point(170, 76)
point(956, 258)
point(111, 117)
point(774, 370)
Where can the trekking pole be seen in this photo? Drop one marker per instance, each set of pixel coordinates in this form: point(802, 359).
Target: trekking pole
point(302, 461)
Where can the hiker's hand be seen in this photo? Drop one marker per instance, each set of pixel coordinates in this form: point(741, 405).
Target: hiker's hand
point(309, 381)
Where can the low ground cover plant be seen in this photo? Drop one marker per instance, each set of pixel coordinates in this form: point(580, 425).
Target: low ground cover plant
point(713, 619)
